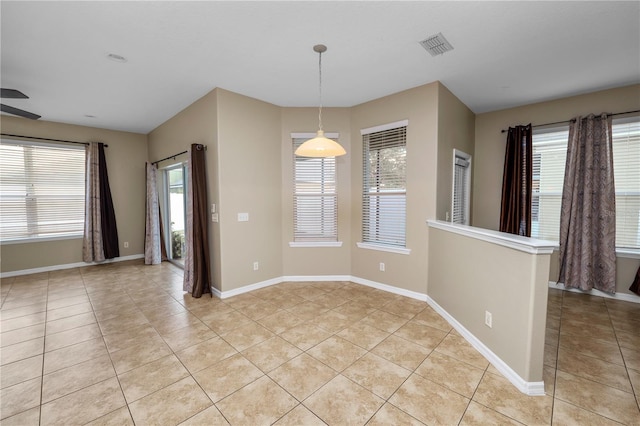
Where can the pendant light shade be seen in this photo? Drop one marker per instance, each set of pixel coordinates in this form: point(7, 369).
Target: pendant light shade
point(320, 146)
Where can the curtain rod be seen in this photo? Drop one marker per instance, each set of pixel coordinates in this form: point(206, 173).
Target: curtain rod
point(568, 121)
point(48, 139)
point(169, 157)
point(175, 155)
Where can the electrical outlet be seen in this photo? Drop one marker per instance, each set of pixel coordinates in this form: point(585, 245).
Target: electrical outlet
point(447, 216)
point(488, 319)
point(381, 266)
point(256, 266)
point(126, 244)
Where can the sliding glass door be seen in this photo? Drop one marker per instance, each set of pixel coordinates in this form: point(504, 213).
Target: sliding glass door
point(175, 192)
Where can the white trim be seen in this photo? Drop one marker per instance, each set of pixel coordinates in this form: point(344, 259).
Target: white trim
point(307, 135)
point(250, 287)
point(625, 253)
point(516, 242)
point(528, 388)
point(315, 244)
point(467, 185)
point(390, 289)
point(383, 127)
point(41, 239)
point(380, 247)
point(67, 266)
point(628, 253)
point(626, 297)
point(309, 278)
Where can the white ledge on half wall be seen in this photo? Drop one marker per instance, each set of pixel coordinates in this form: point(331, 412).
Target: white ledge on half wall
point(516, 242)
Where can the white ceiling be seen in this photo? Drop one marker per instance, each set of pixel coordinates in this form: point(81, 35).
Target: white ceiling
point(505, 53)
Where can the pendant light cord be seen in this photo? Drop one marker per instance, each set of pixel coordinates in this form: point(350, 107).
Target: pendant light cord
point(320, 89)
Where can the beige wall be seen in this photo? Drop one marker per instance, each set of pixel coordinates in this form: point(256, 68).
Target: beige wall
point(468, 277)
point(195, 124)
point(249, 135)
point(326, 260)
point(420, 107)
point(456, 127)
point(489, 154)
point(126, 156)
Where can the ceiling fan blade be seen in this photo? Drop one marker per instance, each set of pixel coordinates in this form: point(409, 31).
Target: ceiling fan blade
point(12, 94)
point(19, 112)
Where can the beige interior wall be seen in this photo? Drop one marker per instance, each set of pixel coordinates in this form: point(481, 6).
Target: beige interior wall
point(316, 261)
point(195, 124)
point(456, 130)
point(468, 277)
point(249, 137)
point(126, 155)
point(489, 154)
point(420, 107)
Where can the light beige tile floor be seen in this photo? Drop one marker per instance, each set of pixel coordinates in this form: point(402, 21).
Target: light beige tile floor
point(122, 344)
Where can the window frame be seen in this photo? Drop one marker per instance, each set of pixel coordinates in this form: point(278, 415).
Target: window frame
point(366, 241)
point(461, 155)
point(314, 240)
point(35, 237)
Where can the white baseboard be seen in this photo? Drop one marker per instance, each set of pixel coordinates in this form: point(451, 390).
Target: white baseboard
point(626, 297)
point(307, 278)
point(248, 288)
point(67, 266)
point(528, 388)
point(390, 289)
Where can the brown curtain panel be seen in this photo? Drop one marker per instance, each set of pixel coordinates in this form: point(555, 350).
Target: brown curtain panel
point(588, 210)
point(197, 270)
point(107, 212)
point(635, 285)
point(515, 208)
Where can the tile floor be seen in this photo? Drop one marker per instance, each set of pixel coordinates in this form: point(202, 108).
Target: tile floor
point(121, 344)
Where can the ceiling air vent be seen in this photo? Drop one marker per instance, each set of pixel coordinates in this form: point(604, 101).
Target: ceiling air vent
point(436, 44)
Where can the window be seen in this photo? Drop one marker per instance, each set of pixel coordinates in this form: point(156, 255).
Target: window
point(384, 185)
point(549, 158)
point(41, 190)
point(315, 200)
point(175, 194)
point(460, 199)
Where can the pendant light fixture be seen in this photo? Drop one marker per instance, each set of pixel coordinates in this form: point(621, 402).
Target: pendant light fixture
point(320, 146)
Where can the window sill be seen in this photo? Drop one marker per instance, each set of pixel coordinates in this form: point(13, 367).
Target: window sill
point(380, 247)
point(315, 244)
point(626, 253)
point(41, 240)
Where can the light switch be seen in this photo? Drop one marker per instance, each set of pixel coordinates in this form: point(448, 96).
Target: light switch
point(243, 217)
point(214, 217)
point(213, 208)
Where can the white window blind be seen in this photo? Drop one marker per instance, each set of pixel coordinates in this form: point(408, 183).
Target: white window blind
point(315, 200)
point(626, 174)
point(41, 190)
point(461, 187)
point(549, 158)
point(384, 186)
